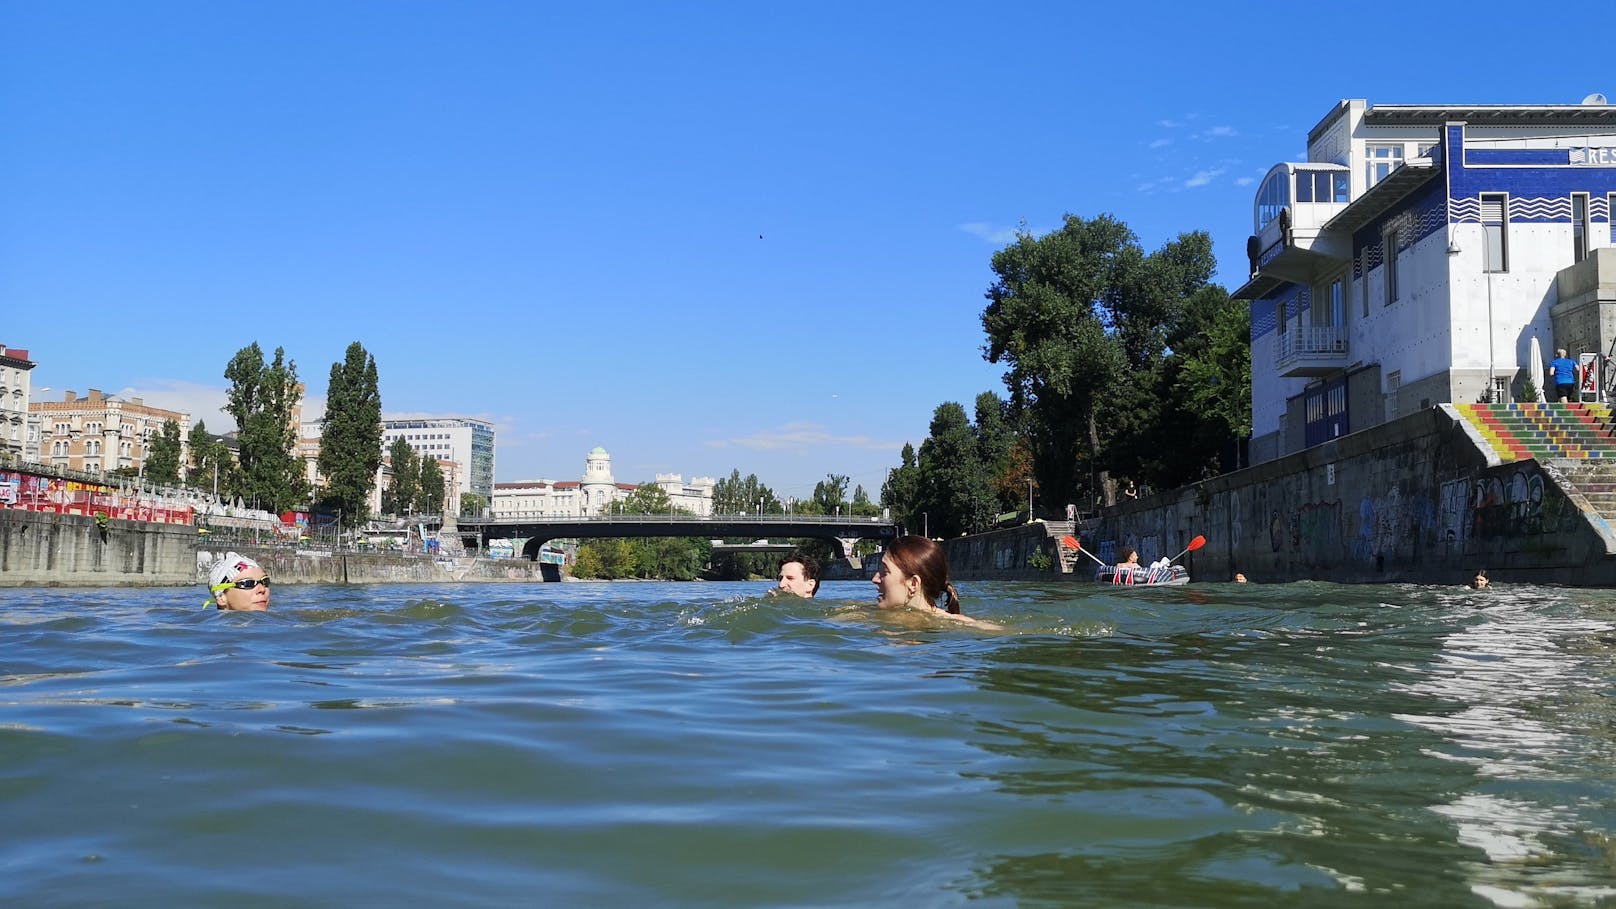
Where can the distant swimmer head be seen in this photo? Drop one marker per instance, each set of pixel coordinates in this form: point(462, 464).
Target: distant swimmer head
point(799, 575)
point(238, 583)
point(1479, 582)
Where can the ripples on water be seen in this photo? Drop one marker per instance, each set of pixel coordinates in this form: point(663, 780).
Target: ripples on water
point(698, 744)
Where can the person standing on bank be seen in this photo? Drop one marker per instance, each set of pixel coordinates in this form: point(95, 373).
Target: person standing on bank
point(238, 584)
point(1566, 375)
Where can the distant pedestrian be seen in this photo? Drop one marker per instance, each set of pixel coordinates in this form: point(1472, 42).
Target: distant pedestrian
point(1566, 374)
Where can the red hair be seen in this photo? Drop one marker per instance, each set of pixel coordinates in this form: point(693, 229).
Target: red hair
point(925, 560)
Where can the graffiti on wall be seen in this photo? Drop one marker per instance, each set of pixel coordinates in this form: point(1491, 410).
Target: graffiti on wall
point(1390, 524)
point(1514, 503)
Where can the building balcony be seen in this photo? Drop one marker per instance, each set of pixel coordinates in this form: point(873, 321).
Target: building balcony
point(1311, 351)
point(1295, 248)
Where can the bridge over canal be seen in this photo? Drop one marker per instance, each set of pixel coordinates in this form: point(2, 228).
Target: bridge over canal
point(842, 532)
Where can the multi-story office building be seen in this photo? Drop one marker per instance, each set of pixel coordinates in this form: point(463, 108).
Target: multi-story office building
point(1415, 255)
point(595, 493)
point(466, 442)
point(15, 368)
point(101, 433)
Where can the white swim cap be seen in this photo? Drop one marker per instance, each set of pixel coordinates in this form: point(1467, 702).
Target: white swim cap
point(225, 571)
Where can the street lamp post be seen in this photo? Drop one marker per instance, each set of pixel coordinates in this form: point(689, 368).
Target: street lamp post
point(1029, 501)
point(925, 525)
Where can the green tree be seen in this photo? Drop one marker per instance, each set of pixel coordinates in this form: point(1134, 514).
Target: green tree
point(734, 494)
point(995, 440)
point(472, 504)
point(263, 399)
point(405, 482)
point(830, 494)
point(1081, 318)
point(211, 464)
point(647, 498)
point(900, 494)
point(162, 464)
point(351, 433)
point(954, 488)
point(429, 494)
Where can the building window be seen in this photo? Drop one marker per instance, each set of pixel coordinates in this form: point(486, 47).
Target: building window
point(1392, 239)
point(1321, 186)
point(1284, 313)
point(1580, 228)
point(1338, 302)
point(1383, 159)
point(1494, 222)
point(1272, 197)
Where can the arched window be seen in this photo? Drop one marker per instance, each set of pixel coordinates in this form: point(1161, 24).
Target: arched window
point(1273, 196)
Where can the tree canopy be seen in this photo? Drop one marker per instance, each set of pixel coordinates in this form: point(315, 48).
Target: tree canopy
point(351, 433)
point(1082, 318)
point(263, 399)
point(162, 462)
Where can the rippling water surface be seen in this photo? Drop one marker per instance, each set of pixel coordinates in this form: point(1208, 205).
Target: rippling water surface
point(698, 744)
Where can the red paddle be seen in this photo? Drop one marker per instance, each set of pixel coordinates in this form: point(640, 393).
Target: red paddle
point(1070, 542)
point(1195, 544)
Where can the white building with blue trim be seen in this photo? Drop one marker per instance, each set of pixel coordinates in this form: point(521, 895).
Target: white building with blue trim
point(1417, 252)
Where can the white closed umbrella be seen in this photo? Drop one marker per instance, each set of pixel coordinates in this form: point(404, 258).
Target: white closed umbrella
point(1535, 364)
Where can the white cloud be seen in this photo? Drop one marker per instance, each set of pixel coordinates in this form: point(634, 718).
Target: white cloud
point(802, 437)
point(1217, 132)
point(1161, 143)
point(203, 403)
point(1245, 181)
point(989, 232)
point(1203, 177)
point(1169, 124)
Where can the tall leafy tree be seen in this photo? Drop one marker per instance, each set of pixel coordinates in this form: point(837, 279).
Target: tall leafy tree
point(953, 480)
point(472, 504)
point(399, 496)
point(1081, 318)
point(900, 494)
point(647, 498)
point(351, 433)
point(735, 494)
point(162, 464)
point(263, 399)
point(830, 494)
point(211, 465)
point(995, 439)
point(429, 495)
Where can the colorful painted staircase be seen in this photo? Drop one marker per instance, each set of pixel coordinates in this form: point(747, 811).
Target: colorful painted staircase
point(1544, 431)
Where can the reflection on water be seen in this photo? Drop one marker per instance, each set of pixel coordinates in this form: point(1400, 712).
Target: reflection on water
point(699, 744)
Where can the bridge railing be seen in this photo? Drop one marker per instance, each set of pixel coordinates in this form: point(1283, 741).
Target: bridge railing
point(523, 517)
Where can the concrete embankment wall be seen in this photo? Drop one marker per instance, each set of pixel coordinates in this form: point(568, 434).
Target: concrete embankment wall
point(1419, 499)
point(312, 567)
point(58, 550)
point(1004, 555)
point(53, 550)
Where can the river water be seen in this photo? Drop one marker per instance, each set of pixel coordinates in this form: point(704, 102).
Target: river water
point(699, 745)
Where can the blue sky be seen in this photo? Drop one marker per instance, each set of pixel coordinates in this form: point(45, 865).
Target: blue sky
point(704, 236)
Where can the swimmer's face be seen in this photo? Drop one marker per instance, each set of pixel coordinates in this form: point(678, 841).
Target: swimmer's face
point(241, 600)
point(793, 581)
point(894, 589)
point(1239, 578)
point(1479, 582)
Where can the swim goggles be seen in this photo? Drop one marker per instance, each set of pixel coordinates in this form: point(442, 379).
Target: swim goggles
point(250, 583)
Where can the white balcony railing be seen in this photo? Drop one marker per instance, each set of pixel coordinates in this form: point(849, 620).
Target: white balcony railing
point(1313, 343)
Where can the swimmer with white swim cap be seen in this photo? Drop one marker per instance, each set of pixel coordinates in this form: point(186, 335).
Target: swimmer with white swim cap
point(238, 584)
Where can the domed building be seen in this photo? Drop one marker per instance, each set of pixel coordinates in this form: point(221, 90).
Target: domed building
point(595, 493)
